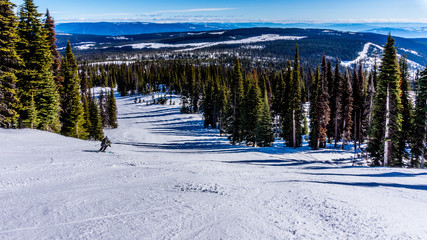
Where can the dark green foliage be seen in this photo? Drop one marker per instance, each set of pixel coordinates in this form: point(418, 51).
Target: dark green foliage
point(251, 110)
point(37, 77)
point(388, 84)
point(336, 105)
point(407, 112)
point(264, 132)
point(95, 131)
point(236, 98)
point(420, 122)
point(9, 62)
point(49, 25)
point(72, 114)
point(292, 129)
point(315, 86)
point(112, 110)
point(323, 110)
point(346, 108)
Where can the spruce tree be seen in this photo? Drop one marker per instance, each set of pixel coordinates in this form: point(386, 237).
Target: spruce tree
point(264, 132)
point(387, 117)
point(72, 115)
point(336, 102)
point(347, 108)
point(37, 77)
point(49, 25)
point(314, 93)
point(95, 132)
point(418, 150)
point(252, 105)
point(9, 63)
point(292, 129)
point(323, 110)
point(112, 110)
point(407, 111)
point(236, 98)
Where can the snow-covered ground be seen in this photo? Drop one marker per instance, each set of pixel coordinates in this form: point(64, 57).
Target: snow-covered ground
point(200, 45)
point(168, 178)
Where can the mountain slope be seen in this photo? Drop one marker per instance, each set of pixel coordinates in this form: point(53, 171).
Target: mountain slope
point(168, 178)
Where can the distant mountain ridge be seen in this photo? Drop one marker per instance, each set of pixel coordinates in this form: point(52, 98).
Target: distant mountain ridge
point(270, 44)
point(407, 30)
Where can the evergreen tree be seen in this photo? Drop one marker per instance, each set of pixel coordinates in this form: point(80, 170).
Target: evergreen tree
point(72, 115)
point(336, 102)
point(9, 62)
point(347, 108)
point(292, 124)
point(37, 77)
point(418, 150)
point(49, 25)
point(330, 80)
point(323, 110)
point(251, 107)
point(315, 86)
point(236, 104)
point(103, 109)
point(407, 111)
point(387, 117)
point(112, 110)
point(264, 132)
point(95, 132)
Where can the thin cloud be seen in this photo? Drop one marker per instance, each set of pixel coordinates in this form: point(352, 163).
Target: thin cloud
point(195, 10)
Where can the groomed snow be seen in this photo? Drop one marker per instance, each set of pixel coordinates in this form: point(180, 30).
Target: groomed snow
point(168, 178)
point(194, 46)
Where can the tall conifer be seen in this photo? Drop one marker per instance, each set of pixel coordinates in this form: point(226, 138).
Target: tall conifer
point(387, 117)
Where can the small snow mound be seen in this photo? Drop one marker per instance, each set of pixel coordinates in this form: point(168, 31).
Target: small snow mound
point(205, 188)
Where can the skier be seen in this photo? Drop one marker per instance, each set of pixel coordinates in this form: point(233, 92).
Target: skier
point(104, 144)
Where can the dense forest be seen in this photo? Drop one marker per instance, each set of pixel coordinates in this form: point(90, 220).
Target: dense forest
point(41, 89)
point(252, 105)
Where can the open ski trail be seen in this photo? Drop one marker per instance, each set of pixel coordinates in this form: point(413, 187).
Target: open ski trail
point(171, 179)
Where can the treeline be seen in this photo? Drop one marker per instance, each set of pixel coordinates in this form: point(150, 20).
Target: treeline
point(344, 105)
point(41, 89)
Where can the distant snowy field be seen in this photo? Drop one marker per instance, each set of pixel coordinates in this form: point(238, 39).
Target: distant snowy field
point(168, 178)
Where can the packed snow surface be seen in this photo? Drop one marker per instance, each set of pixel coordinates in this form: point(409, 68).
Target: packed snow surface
point(166, 177)
point(194, 46)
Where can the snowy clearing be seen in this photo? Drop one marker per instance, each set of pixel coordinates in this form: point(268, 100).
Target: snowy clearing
point(194, 46)
point(168, 178)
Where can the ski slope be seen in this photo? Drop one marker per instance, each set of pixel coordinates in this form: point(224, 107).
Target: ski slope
point(168, 178)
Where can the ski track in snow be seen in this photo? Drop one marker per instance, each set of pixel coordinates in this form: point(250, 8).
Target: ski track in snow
point(171, 179)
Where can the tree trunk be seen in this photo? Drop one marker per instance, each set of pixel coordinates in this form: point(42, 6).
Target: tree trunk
point(343, 135)
point(293, 129)
point(387, 130)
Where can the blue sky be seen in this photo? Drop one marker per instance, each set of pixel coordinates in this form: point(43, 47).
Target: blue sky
point(236, 10)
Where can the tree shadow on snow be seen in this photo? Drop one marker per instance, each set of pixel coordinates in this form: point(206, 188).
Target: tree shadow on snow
point(368, 184)
point(387, 175)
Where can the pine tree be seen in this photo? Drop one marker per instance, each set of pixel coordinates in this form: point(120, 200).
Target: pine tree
point(330, 80)
point(314, 93)
point(103, 109)
point(418, 150)
point(49, 25)
point(251, 107)
point(236, 104)
point(407, 111)
point(292, 123)
point(336, 102)
point(387, 117)
point(37, 77)
point(112, 110)
point(323, 110)
point(264, 132)
point(9, 63)
point(95, 132)
point(72, 115)
point(347, 108)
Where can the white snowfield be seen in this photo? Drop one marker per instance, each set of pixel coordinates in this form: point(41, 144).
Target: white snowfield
point(168, 178)
point(195, 46)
